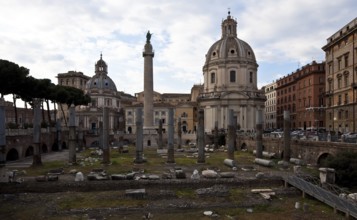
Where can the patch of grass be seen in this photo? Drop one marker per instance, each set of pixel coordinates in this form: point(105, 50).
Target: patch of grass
point(46, 166)
point(186, 161)
point(186, 193)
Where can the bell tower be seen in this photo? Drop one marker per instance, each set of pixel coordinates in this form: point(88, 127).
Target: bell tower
point(229, 27)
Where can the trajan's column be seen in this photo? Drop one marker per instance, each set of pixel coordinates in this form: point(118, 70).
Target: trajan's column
point(149, 129)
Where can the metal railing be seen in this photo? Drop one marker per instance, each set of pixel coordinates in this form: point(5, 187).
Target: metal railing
point(327, 193)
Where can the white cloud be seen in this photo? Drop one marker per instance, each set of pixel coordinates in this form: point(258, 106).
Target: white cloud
point(62, 35)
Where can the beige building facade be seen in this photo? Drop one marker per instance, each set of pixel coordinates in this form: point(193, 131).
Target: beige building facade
point(341, 79)
point(270, 106)
point(181, 103)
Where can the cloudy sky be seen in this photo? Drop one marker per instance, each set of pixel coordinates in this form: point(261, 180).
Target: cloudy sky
point(55, 36)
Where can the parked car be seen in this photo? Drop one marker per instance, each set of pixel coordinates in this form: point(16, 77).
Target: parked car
point(349, 135)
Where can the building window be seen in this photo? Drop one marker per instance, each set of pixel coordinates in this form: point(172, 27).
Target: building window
point(251, 77)
point(339, 64)
point(346, 81)
point(346, 61)
point(346, 114)
point(129, 112)
point(94, 102)
point(213, 77)
point(232, 76)
point(339, 83)
point(346, 98)
point(339, 99)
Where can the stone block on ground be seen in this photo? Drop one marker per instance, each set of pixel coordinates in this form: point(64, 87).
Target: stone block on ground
point(52, 178)
point(58, 171)
point(118, 177)
point(248, 168)
point(130, 176)
point(153, 177)
point(195, 175)
point(180, 174)
point(230, 163)
point(259, 175)
point(79, 177)
point(136, 193)
point(209, 174)
point(227, 174)
point(98, 176)
point(73, 171)
point(166, 175)
point(41, 178)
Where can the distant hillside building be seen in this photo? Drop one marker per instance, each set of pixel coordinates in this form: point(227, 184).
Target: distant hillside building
point(230, 81)
point(341, 79)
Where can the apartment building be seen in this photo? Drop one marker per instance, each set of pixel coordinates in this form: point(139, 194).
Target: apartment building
point(341, 79)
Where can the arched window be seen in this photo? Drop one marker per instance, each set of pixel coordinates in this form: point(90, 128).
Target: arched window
point(251, 77)
point(213, 77)
point(232, 76)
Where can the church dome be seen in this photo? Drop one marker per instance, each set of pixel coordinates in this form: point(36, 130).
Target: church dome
point(101, 80)
point(230, 48)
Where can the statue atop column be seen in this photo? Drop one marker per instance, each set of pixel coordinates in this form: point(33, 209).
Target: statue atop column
point(148, 37)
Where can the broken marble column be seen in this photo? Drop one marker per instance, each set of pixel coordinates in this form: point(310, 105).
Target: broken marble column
point(105, 140)
point(121, 129)
point(80, 137)
point(3, 171)
point(72, 143)
point(160, 141)
point(259, 127)
point(287, 137)
point(59, 135)
point(327, 175)
point(231, 135)
point(201, 137)
point(215, 139)
point(139, 136)
point(36, 132)
point(170, 148)
point(179, 134)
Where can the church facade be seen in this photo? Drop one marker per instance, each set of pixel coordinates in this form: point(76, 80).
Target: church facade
point(103, 93)
point(230, 82)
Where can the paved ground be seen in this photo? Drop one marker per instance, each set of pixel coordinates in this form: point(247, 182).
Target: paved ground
point(27, 162)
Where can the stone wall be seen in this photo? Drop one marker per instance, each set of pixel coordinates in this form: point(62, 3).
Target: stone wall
point(312, 152)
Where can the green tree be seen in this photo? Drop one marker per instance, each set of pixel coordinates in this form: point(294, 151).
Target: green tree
point(345, 165)
point(12, 77)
